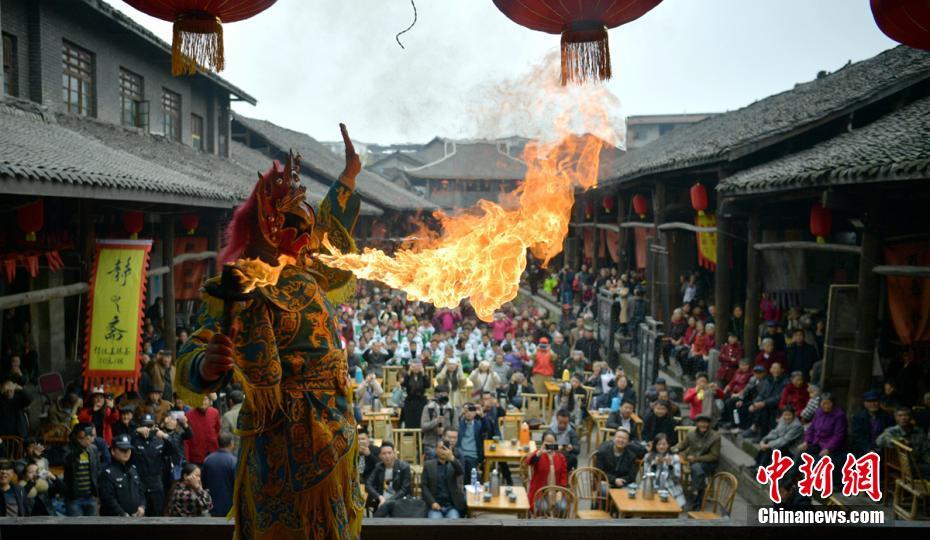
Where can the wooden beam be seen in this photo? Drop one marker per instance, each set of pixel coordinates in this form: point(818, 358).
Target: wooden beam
point(637, 224)
point(608, 226)
point(680, 225)
point(810, 246)
point(170, 329)
point(753, 287)
point(186, 257)
point(903, 271)
point(42, 295)
point(722, 285)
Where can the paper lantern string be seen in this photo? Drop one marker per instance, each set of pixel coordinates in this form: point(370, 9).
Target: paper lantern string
point(397, 37)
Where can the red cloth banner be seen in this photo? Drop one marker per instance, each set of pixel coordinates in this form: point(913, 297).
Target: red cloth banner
point(189, 275)
point(642, 235)
point(588, 235)
point(909, 298)
point(612, 239)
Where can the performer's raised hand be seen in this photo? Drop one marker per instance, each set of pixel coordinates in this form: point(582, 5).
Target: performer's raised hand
point(218, 358)
point(353, 163)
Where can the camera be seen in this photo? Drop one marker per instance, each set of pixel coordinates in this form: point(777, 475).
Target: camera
point(552, 447)
point(471, 407)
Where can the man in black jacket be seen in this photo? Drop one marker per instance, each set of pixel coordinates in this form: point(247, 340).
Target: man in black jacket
point(13, 404)
point(151, 449)
point(589, 346)
point(82, 467)
point(121, 492)
point(12, 495)
point(367, 456)
point(868, 424)
point(442, 485)
point(764, 407)
point(800, 356)
point(659, 421)
point(617, 458)
point(389, 480)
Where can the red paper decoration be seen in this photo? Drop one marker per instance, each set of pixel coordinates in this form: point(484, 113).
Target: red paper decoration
point(905, 21)
point(198, 28)
point(821, 222)
point(133, 221)
point(30, 218)
point(609, 202)
point(583, 26)
point(699, 198)
point(190, 223)
point(640, 205)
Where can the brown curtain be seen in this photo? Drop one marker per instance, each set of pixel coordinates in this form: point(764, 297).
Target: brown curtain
point(588, 234)
point(642, 235)
point(612, 239)
point(909, 298)
point(602, 244)
point(189, 275)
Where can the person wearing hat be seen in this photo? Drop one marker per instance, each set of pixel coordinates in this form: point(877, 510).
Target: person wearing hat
point(151, 451)
point(82, 469)
point(700, 449)
point(126, 425)
point(867, 424)
point(453, 376)
point(155, 405)
point(588, 344)
point(543, 364)
point(121, 492)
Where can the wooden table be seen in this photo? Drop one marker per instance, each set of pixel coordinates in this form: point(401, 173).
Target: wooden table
point(641, 508)
point(552, 386)
point(500, 504)
point(504, 453)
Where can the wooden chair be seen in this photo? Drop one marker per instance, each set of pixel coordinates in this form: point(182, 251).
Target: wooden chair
point(380, 428)
point(390, 375)
point(525, 474)
point(891, 468)
point(637, 426)
point(509, 427)
point(592, 458)
point(586, 484)
point(12, 447)
point(682, 433)
point(911, 492)
point(587, 428)
point(603, 434)
point(536, 407)
point(720, 495)
point(408, 443)
point(56, 435)
point(546, 503)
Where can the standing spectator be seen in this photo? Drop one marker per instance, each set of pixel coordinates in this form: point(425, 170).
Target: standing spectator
point(82, 468)
point(827, 433)
point(178, 430)
point(230, 419)
point(617, 458)
point(867, 424)
point(442, 485)
point(125, 426)
point(800, 355)
point(13, 497)
point(701, 396)
point(391, 478)
point(701, 450)
point(205, 426)
point(543, 364)
point(483, 379)
point(549, 468)
point(151, 449)
point(588, 345)
point(736, 323)
point(560, 352)
point(452, 375)
point(502, 370)
point(219, 475)
point(13, 404)
point(787, 432)
point(190, 499)
point(101, 413)
point(437, 416)
point(376, 357)
point(415, 383)
point(472, 433)
point(155, 405)
point(121, 492)
point(566, 438)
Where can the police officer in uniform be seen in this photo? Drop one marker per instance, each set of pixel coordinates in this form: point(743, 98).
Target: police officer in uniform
point(151, 451)
point(120, 487)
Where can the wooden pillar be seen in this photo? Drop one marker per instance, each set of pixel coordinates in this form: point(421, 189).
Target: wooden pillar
point(170, 330)
point(214, 243)
point(656, 292)
point(753, 286)
point(722, 285)
point(597, 247)
point(622, 234)
point(866, 308)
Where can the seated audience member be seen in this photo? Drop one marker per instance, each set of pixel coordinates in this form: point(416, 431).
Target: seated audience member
point(813, 403)
point(37, 491)
point(652, 394)
point(190, 498)
point(867, 424)
point(622, 417)
point(730, 355)
point(617, 458)
point(389, 480)
point(701, 396)
point(13, 494)
point(735, 412)
point(903, 431)
point(566, 438)
point(659, 421)
point(701, 451)
point(368, 456)
point(826, 435)
point(441, 485)
point(764, 407)
point(787, 432)
point(795, 394)
point(549, 468)
point(519, 385)
point(673, 409)
point(768, 355)
point(666, 466)
point(369, 391)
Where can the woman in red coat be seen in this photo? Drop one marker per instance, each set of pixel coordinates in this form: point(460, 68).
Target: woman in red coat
point(795, 393)
point(549, 468)
point(101, 413)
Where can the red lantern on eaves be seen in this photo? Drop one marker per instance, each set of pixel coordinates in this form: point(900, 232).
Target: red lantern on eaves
point(30, 219)
point(699, 198)
point(589, 209)
point(190, 223)
point(198, 28)
point(640, 205)
point(905, 21)
point(821, 222)
point(583, 25)
point(133, 221)
point(608, 203)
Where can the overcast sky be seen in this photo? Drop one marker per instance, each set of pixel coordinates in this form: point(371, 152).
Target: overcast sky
point(314, 63)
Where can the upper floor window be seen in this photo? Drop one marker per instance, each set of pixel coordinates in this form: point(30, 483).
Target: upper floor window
point(171, 113)
point(10, 86)
point(197, 132)
point(77, 79)
point(132, 100)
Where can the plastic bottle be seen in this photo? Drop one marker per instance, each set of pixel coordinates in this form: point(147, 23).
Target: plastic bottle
point(474, 483)
point(359, 377)
point(566, 376)
point(524, 434)
point(495, 481)
point(615, 404)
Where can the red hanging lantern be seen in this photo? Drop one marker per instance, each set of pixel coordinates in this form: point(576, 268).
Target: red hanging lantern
point(589, 209)
point(821, 222)
point(905, 21)
point(198, 28)
point(190, 223)
point(133, 221)
point(640, 205)
point(609, 202)
point(699, 198)
point(30, 218)
point(583, 26)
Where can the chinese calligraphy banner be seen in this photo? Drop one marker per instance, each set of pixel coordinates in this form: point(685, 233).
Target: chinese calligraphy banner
point(707, 242)
point(114, 312)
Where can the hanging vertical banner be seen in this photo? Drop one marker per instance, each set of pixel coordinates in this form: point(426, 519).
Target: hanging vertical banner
point(189, 275)
point(114, 313)
point(909, 297)
point(642, 236)
point(707, 242)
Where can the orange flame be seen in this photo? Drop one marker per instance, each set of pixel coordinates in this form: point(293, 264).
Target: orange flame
point(254, 273)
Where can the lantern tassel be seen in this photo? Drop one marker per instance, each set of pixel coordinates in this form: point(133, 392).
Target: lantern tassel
point(197, 44)
point(642, 216)
point(585, 53)
point(134, 236)
point(821, 240)
point(701, 213)
point(30, 237)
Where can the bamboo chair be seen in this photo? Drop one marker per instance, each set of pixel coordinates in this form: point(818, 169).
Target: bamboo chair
point(12, 447)
point(911, 492)
point(585, 483)
point(719, 495)
point(545, 503)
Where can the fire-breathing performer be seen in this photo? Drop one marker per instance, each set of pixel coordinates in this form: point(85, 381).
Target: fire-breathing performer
point(270, 326)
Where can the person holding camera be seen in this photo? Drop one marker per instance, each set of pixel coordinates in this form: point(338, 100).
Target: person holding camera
point(549, 468)
point(566, 437)
point(151, 450)
point(101, 413)
point(437, 416)
point(442, 485)
point(473, 430)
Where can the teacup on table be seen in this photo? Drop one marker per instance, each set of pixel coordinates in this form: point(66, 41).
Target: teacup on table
point(513, 442)
point(486, 496)
point(512, 497)
point(493, 447)
point(631, 493)
point(663, 495)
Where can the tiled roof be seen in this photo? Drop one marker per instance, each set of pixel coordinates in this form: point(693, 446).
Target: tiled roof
point(730, 135)
point(472, 161)
point(323, 162)
point(894, 147)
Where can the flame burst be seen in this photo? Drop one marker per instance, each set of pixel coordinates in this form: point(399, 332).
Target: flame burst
point(481, 253)
point(254, 273)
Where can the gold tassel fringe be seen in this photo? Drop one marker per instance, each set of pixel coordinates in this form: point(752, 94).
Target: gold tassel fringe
point(197, 44)
point(264, 402)
point(585, 56)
